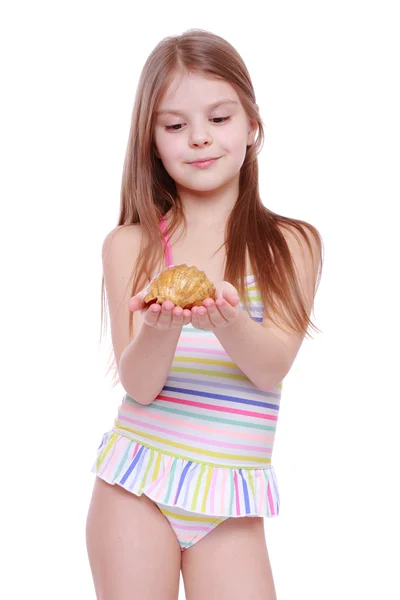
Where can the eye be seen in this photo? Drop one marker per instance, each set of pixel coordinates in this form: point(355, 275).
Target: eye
point(178, 126)
point(221, 119)
point(172, 127)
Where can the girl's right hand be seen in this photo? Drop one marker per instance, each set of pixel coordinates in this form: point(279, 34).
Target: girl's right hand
point(165, 316)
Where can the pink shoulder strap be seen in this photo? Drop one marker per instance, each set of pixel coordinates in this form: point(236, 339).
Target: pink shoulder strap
point(168, 249)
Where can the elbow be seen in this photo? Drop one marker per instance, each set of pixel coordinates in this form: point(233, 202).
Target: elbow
point(139, 389)
point(139, 398)
point(143, 401)
point(267, 385)
point(270, 382)
point(138, 393)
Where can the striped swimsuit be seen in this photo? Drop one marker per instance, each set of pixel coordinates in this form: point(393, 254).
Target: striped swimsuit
point(202, 450)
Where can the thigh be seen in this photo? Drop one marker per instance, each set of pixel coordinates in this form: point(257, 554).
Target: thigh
point(235, 559)
point(133, 552)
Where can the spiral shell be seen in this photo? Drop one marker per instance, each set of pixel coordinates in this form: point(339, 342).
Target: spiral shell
point(184, 286)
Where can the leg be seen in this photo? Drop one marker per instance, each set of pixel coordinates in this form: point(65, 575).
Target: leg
point(133, 552)
point(235, 558)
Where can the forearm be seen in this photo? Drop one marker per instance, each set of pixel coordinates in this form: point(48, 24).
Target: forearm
point(256, 351)
point(145, 363)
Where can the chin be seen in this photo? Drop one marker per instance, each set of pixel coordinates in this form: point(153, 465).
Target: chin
point(210, 186)
point(204, 183)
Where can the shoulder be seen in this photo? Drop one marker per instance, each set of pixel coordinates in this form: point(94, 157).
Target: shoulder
point(305, 246)
point(122, 245)
point(120, 251)
point(301, 236)
point(123, 238)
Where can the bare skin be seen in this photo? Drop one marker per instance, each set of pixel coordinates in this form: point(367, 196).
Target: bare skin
point(235, 558)
point(133, 552)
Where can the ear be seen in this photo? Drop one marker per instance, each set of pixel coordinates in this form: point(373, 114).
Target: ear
point(253, 127)
point(156, 151)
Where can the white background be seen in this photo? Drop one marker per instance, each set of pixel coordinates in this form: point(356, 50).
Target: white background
point(326, 76)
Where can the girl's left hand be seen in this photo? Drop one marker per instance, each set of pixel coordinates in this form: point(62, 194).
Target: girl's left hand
point(219, 313)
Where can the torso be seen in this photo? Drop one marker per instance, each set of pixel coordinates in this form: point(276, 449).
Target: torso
point(208, 410)
point(205, 442)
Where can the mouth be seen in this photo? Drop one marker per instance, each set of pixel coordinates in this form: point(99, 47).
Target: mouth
point(204, 159)
point(204, 162)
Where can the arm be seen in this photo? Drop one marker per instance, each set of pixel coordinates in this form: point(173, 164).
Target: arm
point(264, 352)
point(144, 361)
point(262, 356)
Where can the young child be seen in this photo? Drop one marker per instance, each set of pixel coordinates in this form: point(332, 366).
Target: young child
point(184, 477)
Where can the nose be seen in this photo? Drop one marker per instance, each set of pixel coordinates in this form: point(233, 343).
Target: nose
point(200, 137)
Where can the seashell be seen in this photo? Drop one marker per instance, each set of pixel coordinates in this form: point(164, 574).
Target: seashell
point(184, 286)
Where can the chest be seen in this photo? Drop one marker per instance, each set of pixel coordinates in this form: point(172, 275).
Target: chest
point(206, 254)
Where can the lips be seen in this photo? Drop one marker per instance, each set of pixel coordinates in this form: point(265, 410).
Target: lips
point(204, 163)
point(201, 160)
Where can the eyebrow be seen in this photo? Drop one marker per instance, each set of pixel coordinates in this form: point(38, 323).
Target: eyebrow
point(210, 106)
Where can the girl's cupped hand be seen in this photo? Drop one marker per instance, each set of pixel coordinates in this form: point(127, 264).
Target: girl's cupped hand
point(221, 312)
point(161, 316)
point(218, 313)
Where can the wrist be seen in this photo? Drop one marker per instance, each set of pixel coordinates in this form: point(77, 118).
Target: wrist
point(160, 334)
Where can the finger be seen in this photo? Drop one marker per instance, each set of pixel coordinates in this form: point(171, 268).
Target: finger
point(165, 317)
point(177, 317)
point(195, 318)
point(136, 303)
point(215, 316)
point(227, 292)
point(225, 308)
point(232, 298)
point(230, 294)
point(187, 316)
point(151, 314)
point(204, 319)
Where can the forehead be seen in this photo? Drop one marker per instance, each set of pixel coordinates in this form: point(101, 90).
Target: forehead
point(195, 90)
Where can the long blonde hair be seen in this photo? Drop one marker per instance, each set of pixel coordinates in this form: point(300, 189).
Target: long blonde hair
point(148, 192)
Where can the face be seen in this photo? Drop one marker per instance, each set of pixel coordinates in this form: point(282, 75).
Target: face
point(200, 118)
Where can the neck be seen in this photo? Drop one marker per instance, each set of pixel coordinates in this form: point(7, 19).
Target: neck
point(211, 207)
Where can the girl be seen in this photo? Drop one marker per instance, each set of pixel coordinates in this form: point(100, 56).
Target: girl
point(184, 477)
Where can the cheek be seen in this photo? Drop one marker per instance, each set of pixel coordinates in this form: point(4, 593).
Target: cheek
point(171, 148)
point(237, 139)
point(171, 155)
point(235, 144)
